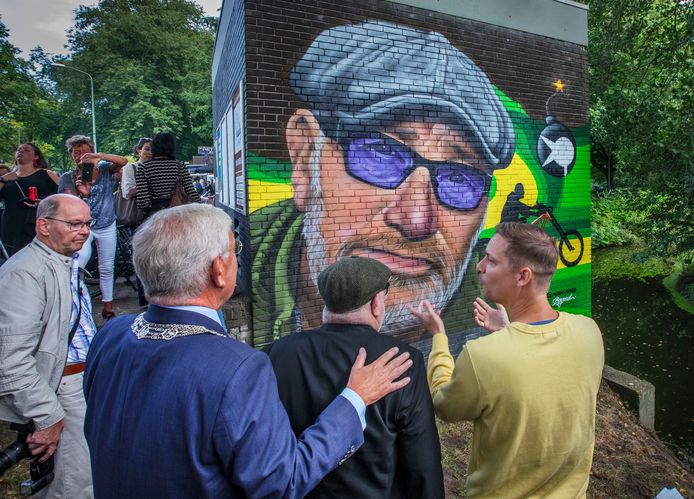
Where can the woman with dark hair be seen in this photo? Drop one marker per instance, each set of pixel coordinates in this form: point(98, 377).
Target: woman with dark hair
point(143, 152)
point(158, 177)
point(21, 190)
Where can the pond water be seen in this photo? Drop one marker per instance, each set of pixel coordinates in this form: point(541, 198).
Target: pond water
point(647, 335)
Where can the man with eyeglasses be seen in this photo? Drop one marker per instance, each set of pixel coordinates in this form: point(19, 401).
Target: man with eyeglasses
point(46, 328)
point(392, 155)
point(178, 408)
point(401, 456)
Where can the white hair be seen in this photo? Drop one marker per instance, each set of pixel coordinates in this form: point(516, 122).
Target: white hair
point(174, 249)
point(316, 249)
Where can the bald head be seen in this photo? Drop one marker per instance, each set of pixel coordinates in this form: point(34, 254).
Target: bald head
point(62, 223)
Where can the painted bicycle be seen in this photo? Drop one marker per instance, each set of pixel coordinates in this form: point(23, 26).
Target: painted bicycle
point(571, 243)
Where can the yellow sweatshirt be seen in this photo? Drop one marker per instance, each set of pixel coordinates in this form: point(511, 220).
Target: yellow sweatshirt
point(531, 392)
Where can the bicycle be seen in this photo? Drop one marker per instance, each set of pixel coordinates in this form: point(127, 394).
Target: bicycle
point(124, 255)
point(571, 243)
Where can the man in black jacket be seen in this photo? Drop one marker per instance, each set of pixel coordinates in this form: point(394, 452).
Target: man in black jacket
point(401, 456)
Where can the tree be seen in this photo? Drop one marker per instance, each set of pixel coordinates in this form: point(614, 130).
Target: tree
point(641, 75)
point(151, 64)
point(20, 98)
point(641, 63)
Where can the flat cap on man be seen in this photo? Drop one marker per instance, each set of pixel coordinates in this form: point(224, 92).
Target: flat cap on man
point(351, 282)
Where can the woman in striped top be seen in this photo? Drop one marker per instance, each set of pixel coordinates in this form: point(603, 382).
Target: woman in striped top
point(157, 178)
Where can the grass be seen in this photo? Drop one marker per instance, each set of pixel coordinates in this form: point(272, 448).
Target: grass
point(9, 483)
point(680, 284)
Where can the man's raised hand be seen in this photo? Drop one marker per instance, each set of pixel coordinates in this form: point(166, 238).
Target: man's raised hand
point(429, 317)
point(491, 319)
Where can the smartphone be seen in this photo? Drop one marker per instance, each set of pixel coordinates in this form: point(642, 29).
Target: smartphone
point(87, 172)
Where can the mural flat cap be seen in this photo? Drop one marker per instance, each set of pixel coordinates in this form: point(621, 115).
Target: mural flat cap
point(382, 72)
point(351, 282)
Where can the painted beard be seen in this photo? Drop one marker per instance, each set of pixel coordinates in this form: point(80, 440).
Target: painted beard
point(438, 284)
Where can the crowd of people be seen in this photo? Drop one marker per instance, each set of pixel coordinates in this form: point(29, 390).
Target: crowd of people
point(107, 177)
point(166, 404)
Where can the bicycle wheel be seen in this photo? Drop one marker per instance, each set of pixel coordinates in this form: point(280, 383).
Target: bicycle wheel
point(124, 260)
point(571, 248)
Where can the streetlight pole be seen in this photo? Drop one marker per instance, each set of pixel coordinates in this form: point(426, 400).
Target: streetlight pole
point(91, 82)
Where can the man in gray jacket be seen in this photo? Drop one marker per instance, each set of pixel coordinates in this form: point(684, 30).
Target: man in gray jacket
point(41, 308)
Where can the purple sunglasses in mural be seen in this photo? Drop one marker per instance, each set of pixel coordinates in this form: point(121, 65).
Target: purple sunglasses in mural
point(382, 161)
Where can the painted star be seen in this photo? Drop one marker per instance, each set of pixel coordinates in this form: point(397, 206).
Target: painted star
point(558, 86)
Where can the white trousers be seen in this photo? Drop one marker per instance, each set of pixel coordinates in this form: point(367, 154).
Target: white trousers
point(73, 471)
point(106, 249)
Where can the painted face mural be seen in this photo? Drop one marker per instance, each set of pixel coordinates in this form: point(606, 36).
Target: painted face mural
point(402, 150)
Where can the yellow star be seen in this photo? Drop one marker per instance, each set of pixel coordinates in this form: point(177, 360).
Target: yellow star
point(558, 86)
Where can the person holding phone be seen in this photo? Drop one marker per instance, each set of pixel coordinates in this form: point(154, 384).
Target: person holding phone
point(93, 180)
point(21, 190)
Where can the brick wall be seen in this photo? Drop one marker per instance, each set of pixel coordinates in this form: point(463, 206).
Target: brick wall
point(483, 102)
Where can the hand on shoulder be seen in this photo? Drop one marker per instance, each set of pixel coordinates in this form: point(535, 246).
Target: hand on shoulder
point(378, 379)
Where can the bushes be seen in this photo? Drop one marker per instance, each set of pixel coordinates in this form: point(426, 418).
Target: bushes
point(614, 219)
point(662, 222)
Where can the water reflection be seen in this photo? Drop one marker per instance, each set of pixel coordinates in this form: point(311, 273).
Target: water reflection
point(646, 335)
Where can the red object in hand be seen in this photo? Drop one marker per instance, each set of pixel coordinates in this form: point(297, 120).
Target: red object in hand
point(33, 193)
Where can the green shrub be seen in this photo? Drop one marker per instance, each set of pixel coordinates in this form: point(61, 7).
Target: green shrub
point(613, 218)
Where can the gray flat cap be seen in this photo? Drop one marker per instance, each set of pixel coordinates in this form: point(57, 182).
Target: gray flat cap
point(383, 72)
point(351, 282)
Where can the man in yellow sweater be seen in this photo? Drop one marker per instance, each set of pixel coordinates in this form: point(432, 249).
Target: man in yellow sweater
point(530, 387)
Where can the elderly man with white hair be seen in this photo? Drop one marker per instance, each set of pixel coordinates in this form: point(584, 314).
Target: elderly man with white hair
point(176, 408)
point(46, 327)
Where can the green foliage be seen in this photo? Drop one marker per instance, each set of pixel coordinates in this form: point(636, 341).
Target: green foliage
point(655, 233)
point(680, 284)
point(641, 68)
point(20, 98)
point(641, 75)
point(661, 221)
point(627, 262)
point(151, 63)
point(613, 219)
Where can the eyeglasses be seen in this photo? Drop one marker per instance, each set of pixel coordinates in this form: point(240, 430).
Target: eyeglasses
point(238, 248)
point(384, 162)
point(385, 290)
point(75, 226)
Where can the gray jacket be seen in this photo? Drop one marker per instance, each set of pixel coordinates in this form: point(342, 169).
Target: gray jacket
point(35, 309)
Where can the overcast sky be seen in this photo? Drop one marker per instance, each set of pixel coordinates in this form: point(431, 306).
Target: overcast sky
point(45, 22)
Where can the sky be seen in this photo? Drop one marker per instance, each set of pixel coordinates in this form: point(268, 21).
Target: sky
point(45, 22)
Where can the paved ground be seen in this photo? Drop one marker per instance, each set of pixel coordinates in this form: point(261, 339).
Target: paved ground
point(124, 301)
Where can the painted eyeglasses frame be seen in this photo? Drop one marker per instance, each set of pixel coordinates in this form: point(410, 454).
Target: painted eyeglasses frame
point(349, 140)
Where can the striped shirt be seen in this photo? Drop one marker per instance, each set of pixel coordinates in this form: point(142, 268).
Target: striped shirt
point(157, 178)
point(79, 346)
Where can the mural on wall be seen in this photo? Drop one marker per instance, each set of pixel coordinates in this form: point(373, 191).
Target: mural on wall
point(403, 150)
